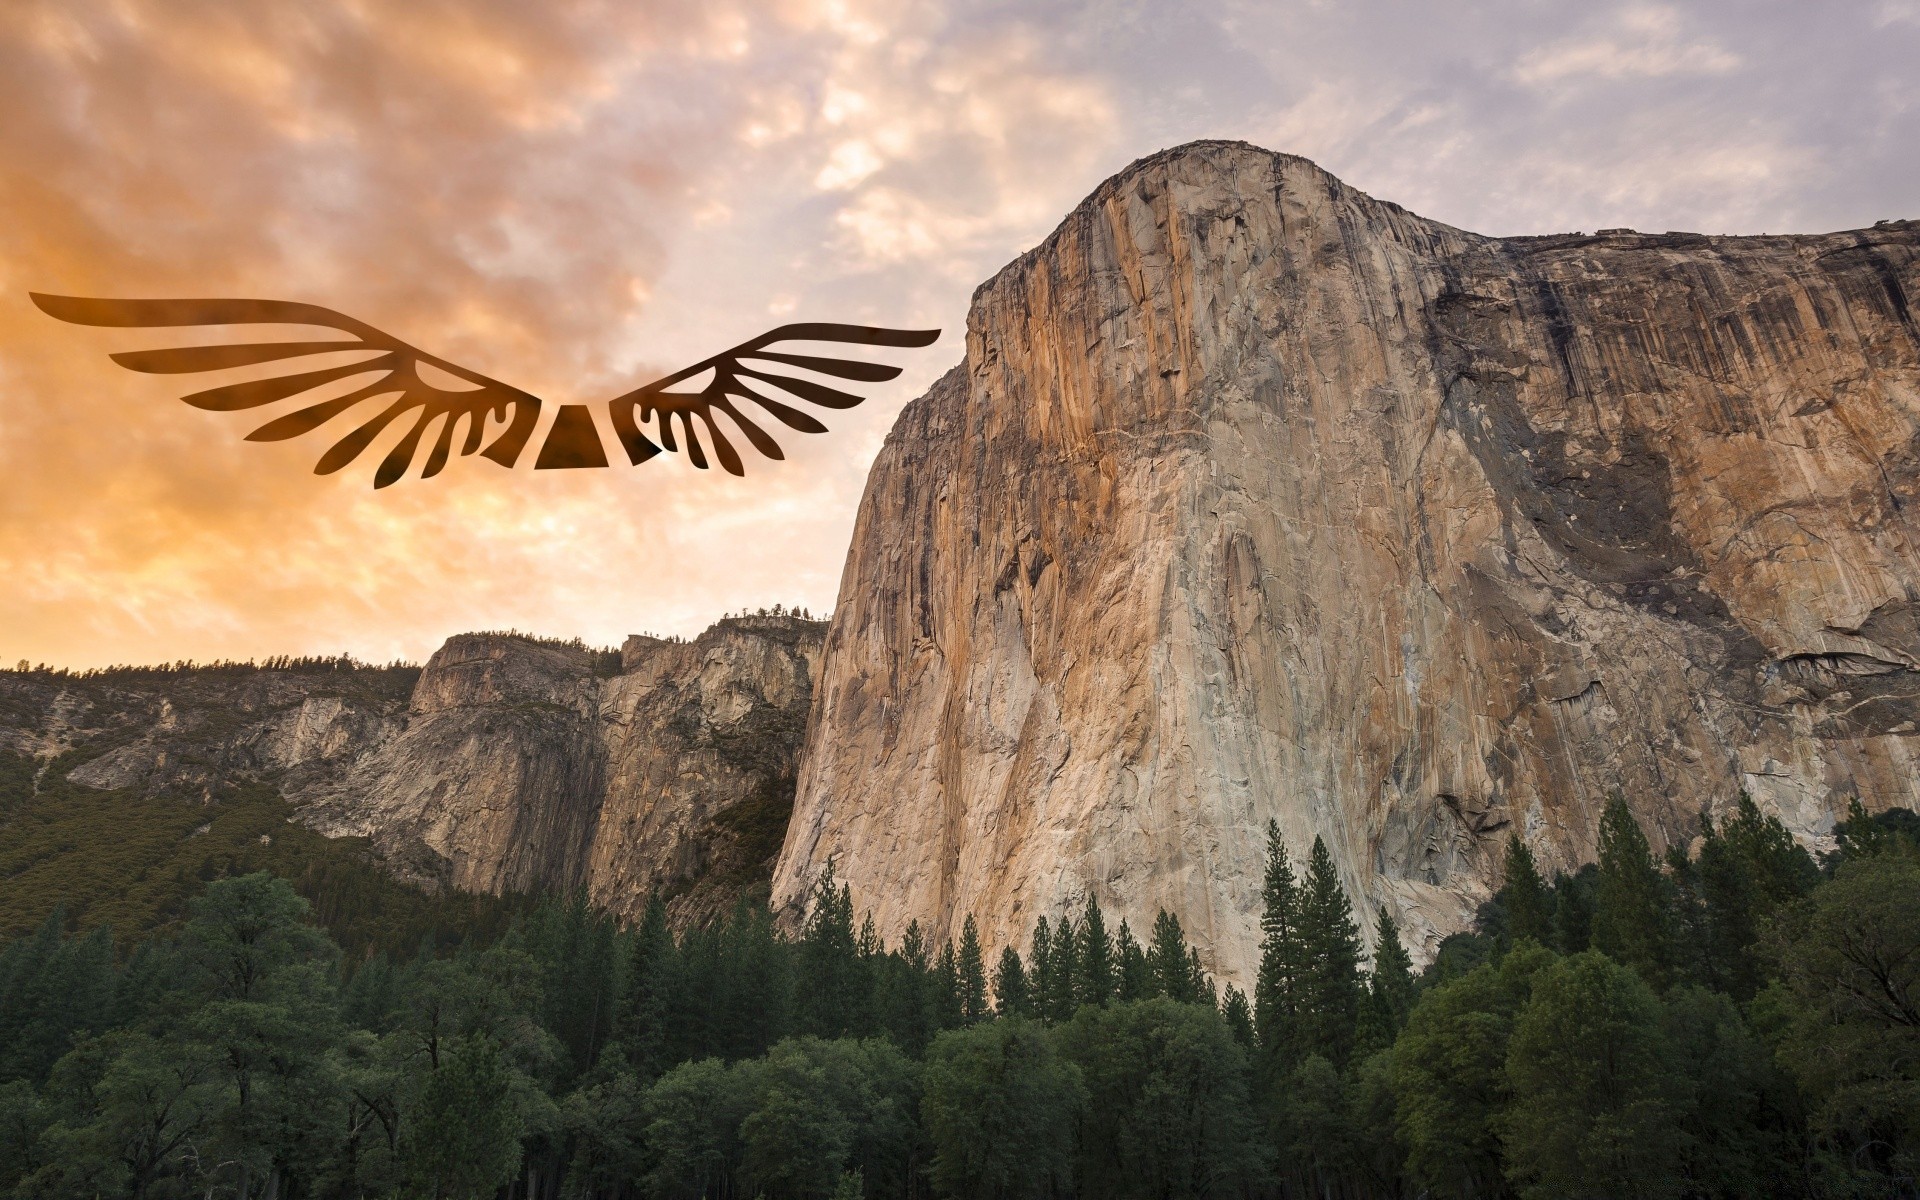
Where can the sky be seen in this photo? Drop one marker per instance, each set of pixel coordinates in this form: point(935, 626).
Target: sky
point(577, 196)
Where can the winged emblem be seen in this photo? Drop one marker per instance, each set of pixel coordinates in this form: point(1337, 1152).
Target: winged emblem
point(749, 383)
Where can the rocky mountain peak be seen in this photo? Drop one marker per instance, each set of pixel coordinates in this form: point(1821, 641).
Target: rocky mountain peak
point(1258, 499)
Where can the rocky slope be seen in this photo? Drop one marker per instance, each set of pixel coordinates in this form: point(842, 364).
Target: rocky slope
point(507, 763)
point(1258, 498)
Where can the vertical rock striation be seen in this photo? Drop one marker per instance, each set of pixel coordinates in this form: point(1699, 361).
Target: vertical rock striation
point(1257, 498)
point(526, 765)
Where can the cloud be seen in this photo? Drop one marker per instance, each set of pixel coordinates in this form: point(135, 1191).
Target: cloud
point(578, 195)
point(1646, 42)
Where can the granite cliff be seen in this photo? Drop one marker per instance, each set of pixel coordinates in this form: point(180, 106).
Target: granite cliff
point(506, 763)
point(1258, 498)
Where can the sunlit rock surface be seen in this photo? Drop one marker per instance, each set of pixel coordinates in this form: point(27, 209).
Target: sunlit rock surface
point(1258, 498)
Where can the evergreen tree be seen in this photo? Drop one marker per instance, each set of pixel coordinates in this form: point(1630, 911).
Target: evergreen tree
point(945, 984)
point(1329, 1010)
point(1450, 1076)
point(1011, 995)
point(644, 1026)
point(1135, 973)
point(1573, 904)
point(464, 1127)
point(1199, 982)
point(1041, 971)
point(908, 992)
point(1276, 1001)
point(1061, 997)
point(1632, 899)
point(1529, 912)
point(1094, 982)
point(1238, 1015)
point(972, 976)
point(1167, 960)
point(835, 991)
point(754, 1001)
point(1746, 871)
point(1390, 989)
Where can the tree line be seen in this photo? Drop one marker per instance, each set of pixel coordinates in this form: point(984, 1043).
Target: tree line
point(1738, 1021)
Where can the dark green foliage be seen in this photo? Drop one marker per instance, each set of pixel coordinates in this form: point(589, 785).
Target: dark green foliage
point(1390, 989)
point(1633, 902)
point(1595, 1096)
point(972, 976)
point(1863, 836)
point(1238, 1014)
point(1134, 972)
point(1000, 1109)
point(240, 1053)
point(1169, 969)
point(1746, 870)
point(842, 992)
point(1059, 980)
point(1450, 1075)
point(1524, 896)
point(1846, 1014)
point(1574, 900)
point(464, 1127)
point(1095, 979)
point(137, 871)
point(1329, 986)
point(1168, 1111)
point(1276, 992)
point(1012, 996)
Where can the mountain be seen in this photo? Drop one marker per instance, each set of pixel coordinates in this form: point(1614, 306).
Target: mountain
point(506, 764)
point(1256, 498)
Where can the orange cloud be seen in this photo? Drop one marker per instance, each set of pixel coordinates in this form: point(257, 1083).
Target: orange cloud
point(549, 194)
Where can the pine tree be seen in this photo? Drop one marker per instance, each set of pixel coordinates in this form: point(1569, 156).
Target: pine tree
point(1631, 899)
point(1134, 972)
point(1238, 1015)
point(1330, 1008)
point(835, 991)
point(1167, 959)
point(911, 1011)
point(1199, 983)
point(1276, 999)
point(1389, 989)
point(1040, 973)
point(1094, 983)
point(972, 976)
point(1062, 995)
point(1746, 871)
point(1011, 994)
point(946, 989)
point(1529, 914)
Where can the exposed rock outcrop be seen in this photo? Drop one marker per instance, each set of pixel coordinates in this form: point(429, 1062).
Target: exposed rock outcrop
point(1258, 498)
point(507, 763)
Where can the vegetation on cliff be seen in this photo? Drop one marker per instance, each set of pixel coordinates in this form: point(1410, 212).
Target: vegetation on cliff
point(1733, 1023)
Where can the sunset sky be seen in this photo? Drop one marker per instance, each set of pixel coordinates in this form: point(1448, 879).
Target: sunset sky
point(575, 197)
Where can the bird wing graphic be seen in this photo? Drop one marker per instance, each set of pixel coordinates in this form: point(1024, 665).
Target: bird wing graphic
point(573, 440)
point(748, 373)
point(396, 364)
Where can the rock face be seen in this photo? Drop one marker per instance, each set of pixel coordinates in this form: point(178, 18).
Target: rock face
point(522, 768)
point(507, 763)
point(1257, 498)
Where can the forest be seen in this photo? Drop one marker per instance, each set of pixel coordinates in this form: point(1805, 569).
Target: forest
point(1739, 1021)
